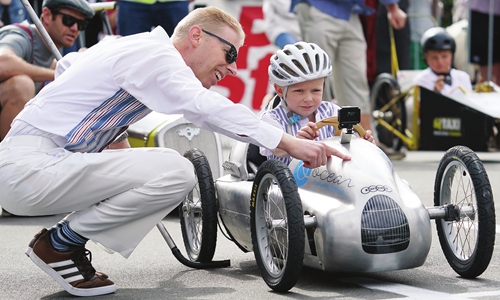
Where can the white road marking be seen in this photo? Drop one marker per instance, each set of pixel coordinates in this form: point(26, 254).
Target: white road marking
point(414, 293)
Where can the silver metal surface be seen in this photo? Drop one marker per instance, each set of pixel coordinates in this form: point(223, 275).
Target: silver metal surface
point(337, 196)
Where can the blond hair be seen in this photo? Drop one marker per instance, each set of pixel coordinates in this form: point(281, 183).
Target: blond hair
point(209, 18)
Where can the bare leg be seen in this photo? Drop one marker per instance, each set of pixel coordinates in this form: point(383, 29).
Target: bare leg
point(15, 92)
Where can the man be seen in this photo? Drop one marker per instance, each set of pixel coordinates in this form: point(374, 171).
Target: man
point(341, 35)
point(25, 59)
point(51, 159)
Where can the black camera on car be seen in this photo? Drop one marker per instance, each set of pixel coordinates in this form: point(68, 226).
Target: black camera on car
point(349, 116)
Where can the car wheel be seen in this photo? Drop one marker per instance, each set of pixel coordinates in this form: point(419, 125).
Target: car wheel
point(384, 90)
point(277, 226)
point(198, 211)
point(468, 240)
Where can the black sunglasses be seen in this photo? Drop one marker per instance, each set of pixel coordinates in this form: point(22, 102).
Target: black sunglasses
point(231, 54)
point(69, 21)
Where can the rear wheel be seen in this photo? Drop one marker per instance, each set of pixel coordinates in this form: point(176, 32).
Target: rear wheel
point(198, 211)
point(384, 90)
point(468, 237)
point(277, 225)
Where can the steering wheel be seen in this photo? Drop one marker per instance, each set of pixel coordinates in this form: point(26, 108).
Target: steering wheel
point(334, 121)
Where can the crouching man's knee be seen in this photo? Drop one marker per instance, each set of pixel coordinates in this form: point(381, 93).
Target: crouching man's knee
point(16, 91)
point(174, 179)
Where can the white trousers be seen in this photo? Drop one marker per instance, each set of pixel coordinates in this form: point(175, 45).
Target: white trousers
point(116, 197)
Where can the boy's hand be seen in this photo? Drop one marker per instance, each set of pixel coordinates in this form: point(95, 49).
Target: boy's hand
point(438, 86)
point(308, 132)
point(369, 137)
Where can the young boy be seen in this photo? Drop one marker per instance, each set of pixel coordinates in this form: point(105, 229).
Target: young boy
point(438, 49)
point(298, 74)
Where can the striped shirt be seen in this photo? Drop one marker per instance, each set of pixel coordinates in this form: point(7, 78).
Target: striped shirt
point(278, 118)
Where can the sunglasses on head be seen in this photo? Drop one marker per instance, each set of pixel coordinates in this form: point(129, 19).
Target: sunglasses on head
point(231, 54)
point(69, 21)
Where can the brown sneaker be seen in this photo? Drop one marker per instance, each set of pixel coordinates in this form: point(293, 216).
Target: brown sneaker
point(34, 240)
point(72, 270)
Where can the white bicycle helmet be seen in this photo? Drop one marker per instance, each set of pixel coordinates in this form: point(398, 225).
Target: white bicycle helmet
point(298, 63)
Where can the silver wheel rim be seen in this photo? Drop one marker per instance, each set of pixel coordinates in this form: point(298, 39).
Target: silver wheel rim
point(457, 188)
point(193, 221)
point(271, 226)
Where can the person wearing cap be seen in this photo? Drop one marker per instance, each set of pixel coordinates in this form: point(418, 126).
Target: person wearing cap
point(26, 62)
point(52, 159)
point(438, 48)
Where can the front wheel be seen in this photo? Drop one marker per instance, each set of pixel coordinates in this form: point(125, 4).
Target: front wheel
point(462, 184)
point(198, 211)
point(277, 226)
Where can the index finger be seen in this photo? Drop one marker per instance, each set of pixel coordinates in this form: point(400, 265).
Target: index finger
point(335, 152)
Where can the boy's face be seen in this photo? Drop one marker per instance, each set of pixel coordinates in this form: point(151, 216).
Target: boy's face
point(439, 60)
point(305, 97)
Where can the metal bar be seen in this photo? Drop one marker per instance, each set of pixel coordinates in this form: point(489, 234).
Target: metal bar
point(42, 30)
point(436, 212)
point(310, 221)
point(490, 41)
point(467, 60)
point(165, 235)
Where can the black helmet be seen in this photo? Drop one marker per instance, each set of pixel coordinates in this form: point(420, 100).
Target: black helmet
point(437, 38)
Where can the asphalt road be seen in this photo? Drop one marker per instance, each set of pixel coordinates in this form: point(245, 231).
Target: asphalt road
point(153, 273)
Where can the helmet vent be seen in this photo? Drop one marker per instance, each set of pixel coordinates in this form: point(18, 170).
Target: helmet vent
point(308, 63)
point(277, 74)
point(288, 70)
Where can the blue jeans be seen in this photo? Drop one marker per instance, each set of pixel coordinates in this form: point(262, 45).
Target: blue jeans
point(137, 17)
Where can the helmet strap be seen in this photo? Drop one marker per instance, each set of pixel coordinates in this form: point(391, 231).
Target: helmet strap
point(290, 115)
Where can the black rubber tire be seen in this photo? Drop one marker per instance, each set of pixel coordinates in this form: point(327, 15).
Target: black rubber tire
point(461, 180)
point(384, 89)
point(278, 250)
point(198, 211)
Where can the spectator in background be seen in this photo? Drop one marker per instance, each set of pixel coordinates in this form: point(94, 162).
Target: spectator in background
point(479, 37)
point(426, 14)
point(401, 39)
point(26, 62)
point(335, 27)
point(135, 16)
point(12, 11)
point(281, 25)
